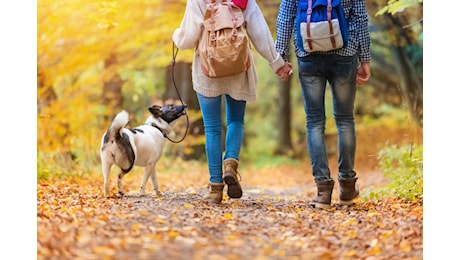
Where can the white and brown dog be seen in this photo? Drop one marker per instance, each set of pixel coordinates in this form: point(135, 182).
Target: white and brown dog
point(140, 146)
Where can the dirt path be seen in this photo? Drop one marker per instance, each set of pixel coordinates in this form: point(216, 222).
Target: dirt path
point(269, 222)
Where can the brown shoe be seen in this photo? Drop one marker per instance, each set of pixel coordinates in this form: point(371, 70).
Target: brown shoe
point(215, 192)
point(348, 191)
point(324, 196)
point(231, 178)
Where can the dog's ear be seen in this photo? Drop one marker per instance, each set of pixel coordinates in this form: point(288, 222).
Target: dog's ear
point(155, 110)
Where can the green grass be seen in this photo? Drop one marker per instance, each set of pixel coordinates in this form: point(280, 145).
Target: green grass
point(403, 166)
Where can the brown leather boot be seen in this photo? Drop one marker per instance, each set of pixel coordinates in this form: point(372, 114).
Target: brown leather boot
point(323, 199)
point(215, 192)
point(348, 191)
point(231, 178)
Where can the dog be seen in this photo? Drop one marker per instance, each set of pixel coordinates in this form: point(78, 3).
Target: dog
point(140, 146)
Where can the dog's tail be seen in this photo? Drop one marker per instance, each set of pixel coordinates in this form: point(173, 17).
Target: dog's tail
point(120, 121)
point(122, 151)
point(116, 128)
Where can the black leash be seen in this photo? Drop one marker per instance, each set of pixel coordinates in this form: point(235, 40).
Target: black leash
point(175, 50)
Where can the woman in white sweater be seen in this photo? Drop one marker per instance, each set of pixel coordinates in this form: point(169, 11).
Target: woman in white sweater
point(236, 91)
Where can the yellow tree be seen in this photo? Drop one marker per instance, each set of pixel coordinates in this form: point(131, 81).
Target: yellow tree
point(86, 52)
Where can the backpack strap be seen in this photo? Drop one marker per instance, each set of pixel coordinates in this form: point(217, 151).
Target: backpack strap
point(309, 11)
point(234, 19)
point(329, 20)
point(210, 7)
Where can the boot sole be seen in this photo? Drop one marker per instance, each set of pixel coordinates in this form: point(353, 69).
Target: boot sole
point(348, 202)
point(320, 205)
point(233, 187)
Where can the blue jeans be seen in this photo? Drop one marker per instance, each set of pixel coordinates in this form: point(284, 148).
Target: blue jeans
point(212, 117)
point(314, 72)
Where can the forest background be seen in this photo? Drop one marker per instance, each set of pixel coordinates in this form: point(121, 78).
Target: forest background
point(76, 81)
point(96, 58)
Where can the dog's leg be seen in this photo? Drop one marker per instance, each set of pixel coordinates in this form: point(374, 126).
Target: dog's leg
point(144, 180)
point(106, 172)
point(120, 183)
point(154, 181)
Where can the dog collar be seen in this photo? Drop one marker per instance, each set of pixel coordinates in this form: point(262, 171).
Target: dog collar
point(157, 127)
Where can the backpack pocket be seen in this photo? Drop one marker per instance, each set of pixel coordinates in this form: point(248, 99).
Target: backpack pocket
point(322, 36)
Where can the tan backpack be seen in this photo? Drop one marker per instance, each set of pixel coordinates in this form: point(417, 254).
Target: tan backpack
point(223, 48)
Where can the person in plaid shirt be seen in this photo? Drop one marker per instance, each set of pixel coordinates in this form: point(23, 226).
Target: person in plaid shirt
point(343, 69)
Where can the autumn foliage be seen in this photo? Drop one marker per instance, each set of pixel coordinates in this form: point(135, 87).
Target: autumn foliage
point(96, 57)
point(271, 221)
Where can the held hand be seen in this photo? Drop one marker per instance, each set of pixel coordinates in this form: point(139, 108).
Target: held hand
point(285, 71)
point(363, 74)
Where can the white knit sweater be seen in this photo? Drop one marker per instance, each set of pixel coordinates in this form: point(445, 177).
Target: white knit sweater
point(241, 86)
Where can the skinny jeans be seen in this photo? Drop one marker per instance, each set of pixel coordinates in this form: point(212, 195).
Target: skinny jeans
point(315, 71)
point(211, 109)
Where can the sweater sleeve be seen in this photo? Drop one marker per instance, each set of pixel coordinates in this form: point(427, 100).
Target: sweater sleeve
point(261, 37)
point(189, 32)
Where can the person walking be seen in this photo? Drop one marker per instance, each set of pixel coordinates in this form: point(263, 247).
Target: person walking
point(235, 90)
point(343, 69)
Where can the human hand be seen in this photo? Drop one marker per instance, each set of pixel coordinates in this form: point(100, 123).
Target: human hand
point(285, 71)
point(363, 74)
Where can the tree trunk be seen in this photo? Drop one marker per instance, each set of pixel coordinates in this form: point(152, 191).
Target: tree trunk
point(112, 89)
point(411, 84)
point(46, 96)
point(45, 92)
point(181, 78)
point(283, 123)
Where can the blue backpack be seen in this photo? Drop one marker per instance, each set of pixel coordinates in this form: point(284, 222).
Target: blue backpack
point(320, 28)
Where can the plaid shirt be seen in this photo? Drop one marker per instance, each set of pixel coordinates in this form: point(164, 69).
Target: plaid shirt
point(358, 39)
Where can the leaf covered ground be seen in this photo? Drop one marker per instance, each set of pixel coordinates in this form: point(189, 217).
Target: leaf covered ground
point(271, 221)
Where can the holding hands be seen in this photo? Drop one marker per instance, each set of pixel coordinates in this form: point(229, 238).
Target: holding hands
point(285, 71)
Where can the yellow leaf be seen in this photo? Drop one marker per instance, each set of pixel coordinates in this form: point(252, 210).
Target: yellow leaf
point(231, 238)
point(375, 250)
point(351, 253)
point(228, 216)
point(351, 233)
point(405, 246)
point(188, 206)
point(372, 214)
point(103, 250)
point(350, 221)
point(135, 226)
point(104, 218)
point(173, 234)
point(387, 233)
point(159, 220)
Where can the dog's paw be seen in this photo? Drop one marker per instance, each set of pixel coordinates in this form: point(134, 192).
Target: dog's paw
point(136, 194)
